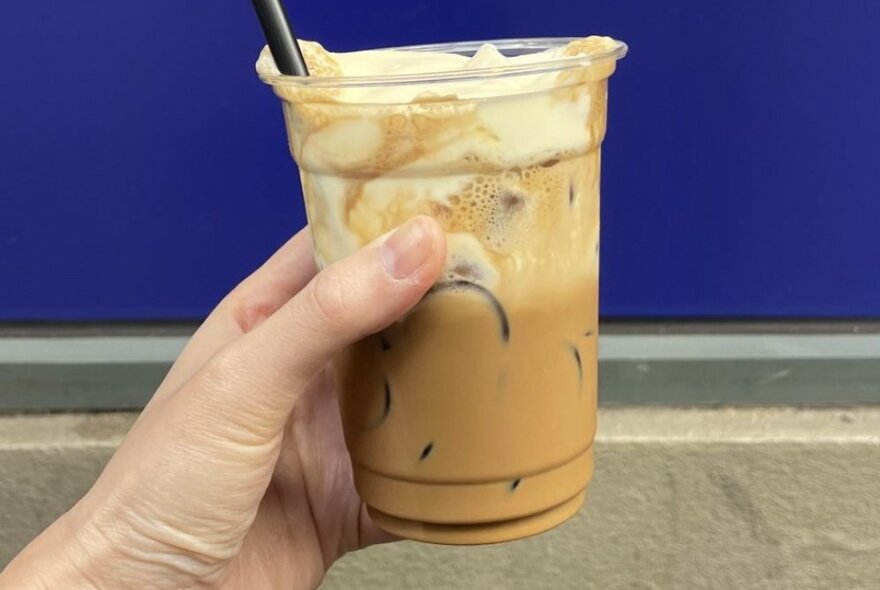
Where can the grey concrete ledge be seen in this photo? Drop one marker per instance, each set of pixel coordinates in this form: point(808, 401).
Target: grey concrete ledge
point(665, 364)
point(771, 498)
point(115, 350)
point(609, 326)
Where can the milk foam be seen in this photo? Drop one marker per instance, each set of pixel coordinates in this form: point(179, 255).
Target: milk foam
point(507, 164)
point(389, 62)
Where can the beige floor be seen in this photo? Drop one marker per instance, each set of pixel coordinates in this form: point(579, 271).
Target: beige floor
point(715, 499)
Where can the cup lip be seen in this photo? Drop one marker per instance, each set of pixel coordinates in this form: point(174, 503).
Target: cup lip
point(537, 44)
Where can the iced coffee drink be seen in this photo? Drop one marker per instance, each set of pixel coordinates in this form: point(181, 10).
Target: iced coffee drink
point(472, 419)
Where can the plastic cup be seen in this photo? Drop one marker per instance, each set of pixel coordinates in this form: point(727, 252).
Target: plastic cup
point(472, 419)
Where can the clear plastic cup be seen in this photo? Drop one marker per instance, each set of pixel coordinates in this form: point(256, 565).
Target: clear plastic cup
point(471, 420)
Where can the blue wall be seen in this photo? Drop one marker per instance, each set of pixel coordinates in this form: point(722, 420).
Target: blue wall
point(144, 169)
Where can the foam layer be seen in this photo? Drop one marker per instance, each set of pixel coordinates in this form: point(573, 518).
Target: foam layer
point(383, 63)
point(512, 177)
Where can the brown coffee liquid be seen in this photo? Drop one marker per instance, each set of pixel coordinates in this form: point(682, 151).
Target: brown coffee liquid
point(490, 386)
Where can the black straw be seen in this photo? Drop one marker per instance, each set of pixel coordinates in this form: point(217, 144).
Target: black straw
point(279, 35)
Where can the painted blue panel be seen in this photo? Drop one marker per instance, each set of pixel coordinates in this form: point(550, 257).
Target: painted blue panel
point(144, 169)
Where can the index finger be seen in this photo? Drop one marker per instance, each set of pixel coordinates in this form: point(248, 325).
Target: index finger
point(257, 297)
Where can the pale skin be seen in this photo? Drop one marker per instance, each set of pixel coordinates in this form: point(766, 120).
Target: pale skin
point(236, 474)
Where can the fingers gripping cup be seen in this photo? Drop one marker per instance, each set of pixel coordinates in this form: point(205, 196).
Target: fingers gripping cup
point(472, 419)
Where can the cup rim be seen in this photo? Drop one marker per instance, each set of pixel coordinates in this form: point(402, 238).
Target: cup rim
point(536, 44)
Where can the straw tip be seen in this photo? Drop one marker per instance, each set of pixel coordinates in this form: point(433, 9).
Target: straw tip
point(279, 34)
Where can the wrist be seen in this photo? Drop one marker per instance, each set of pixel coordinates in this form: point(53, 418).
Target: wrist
point(57, 558)
point(98, 548)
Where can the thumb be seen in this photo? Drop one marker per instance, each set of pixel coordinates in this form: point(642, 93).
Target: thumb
point(266, 371)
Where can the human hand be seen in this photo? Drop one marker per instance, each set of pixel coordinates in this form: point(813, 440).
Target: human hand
point(236, 475)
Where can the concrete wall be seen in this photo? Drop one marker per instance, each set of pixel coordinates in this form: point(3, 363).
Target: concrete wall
point(715, 499)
